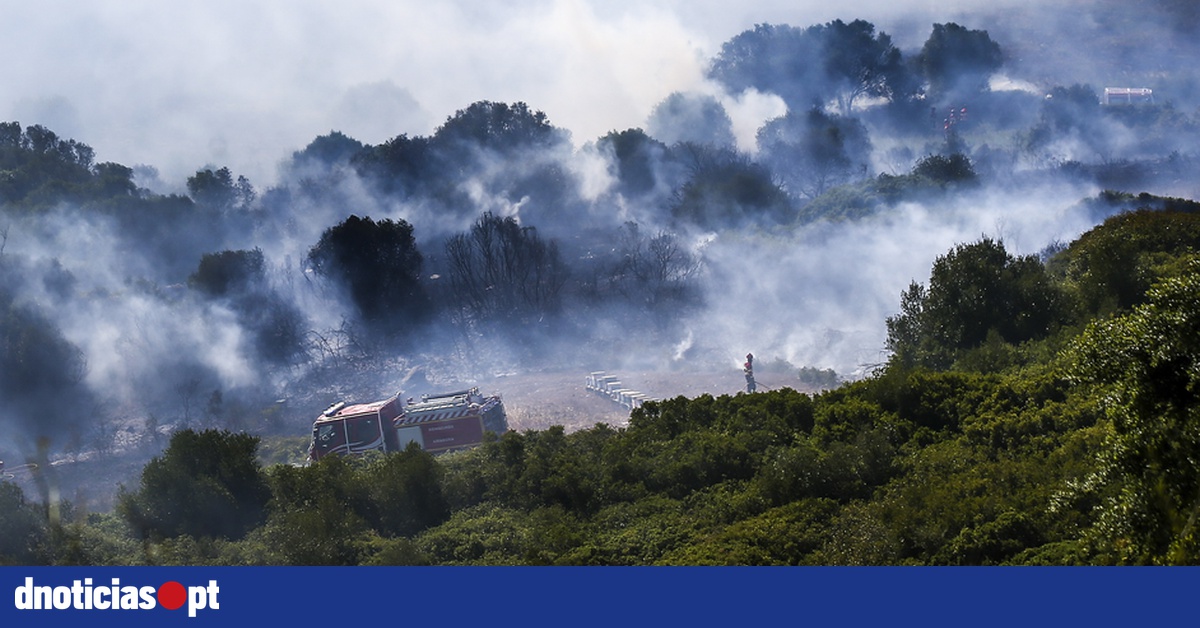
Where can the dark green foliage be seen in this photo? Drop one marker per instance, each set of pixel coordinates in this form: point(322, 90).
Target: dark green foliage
point(379, 266)
point(727, 190)
point(990, 543)
point(205, 484)
point(318, 514)
point(838, 471)
point(23, 528)
point(449, 167)
point(227, 272)
point(814, 151)
point(975, 290)
point(113, 181)
point(841, 418)
point(935, 401)
point(219, 191)
point(694, 460)
point(787, 535)
point(494, 535)
point(554, 470)
point(847, 202)
point(38, 169)
point(496, 126)
point(945, 170)
point(861, 63)
point(694, 118)
point(636, 533)
point(972, 488)
point(957, 61)
point(770, 58)
point(341, 512)
point(393, 552)
point(240, 278)
point(932, 177)
point(1112, 266)
point(36, 362)
point(636, 156)
point(1146, 365)
point(328, 150)
point(819, 378)
point(97, 539)
point(1057, 554)
point(833, 61)
point(537, 468)
point(400, 166)
point(406, 491)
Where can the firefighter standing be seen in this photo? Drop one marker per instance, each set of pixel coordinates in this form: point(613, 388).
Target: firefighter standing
point(748, 369)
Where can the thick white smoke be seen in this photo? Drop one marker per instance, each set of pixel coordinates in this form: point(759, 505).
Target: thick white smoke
point(180, 86)
point(819, 296)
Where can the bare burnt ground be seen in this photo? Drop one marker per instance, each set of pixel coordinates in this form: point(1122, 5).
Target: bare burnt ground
point(536, 401)
point(533, 399)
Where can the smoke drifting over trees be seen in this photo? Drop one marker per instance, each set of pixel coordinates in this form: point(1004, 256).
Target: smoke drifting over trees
point(670, 243)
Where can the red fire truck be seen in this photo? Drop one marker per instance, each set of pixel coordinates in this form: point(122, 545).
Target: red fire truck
point(437, 423)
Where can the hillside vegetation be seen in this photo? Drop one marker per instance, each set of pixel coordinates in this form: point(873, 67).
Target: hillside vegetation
point(1031, 414)
point(1013, 408)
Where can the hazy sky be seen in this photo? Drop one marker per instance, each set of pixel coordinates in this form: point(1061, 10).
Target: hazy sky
point(184, 84)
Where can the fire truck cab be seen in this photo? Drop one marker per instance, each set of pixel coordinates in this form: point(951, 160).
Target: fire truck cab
point(354, 429)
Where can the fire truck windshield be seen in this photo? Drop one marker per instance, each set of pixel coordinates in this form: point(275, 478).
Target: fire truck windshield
point(325, 433)
point(327, 437)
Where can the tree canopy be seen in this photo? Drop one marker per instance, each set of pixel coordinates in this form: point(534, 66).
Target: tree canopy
point(727, 190)
point(694, 118)
point(205, 484)
point(957, 61)
point(975, 290)
point(813, 150)
point(829, 62)
point(1146, 364)
point(379, 266)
